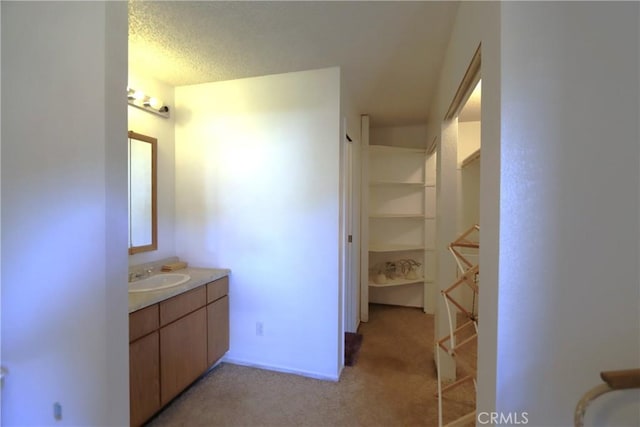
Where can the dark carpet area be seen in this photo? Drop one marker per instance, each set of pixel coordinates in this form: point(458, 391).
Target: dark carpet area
point(352, 343)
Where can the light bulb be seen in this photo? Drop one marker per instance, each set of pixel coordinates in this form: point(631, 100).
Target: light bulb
point(138, 95)
point(155, 103)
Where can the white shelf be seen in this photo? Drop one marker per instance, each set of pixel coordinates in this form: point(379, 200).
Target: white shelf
point(396, 150)
point(396, 183)
point(397, 282)
point(397, 191)
point(386, 247)
point(470, 158)
point(413, 216)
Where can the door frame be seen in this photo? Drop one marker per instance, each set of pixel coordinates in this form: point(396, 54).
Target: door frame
point(349, 235)
point(364, 219)
point(446, 206)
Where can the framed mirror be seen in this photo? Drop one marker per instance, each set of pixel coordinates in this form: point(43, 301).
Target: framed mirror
point(143, 213)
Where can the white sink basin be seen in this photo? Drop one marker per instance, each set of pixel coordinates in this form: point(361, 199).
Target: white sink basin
point(159, 281)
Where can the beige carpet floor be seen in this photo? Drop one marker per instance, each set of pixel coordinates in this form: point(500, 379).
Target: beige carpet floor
point(392, 384)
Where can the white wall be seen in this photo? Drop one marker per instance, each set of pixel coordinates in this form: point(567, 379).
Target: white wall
point(468, 176)
point(64, 213)
point(258, 191)
point(569, 283)
point(468, 195)
point(468, 139)
point(1, 381)
point(164, 130)
point(469, 211)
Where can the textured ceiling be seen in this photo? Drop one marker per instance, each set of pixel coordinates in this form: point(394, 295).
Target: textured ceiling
point(390, 52)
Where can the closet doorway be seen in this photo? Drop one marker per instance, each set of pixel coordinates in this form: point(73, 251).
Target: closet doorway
point(468, 171)
point(458, 244)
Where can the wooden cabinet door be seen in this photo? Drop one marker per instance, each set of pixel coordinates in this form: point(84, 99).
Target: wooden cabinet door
point(144, 378)
point(183, 353)
point(217, 329)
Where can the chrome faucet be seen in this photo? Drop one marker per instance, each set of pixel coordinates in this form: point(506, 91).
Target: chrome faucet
point(137, 275)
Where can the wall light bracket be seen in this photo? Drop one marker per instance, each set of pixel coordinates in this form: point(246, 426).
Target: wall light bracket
point(138, 99)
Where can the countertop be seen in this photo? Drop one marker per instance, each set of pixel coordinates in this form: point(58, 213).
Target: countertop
point(199, 277)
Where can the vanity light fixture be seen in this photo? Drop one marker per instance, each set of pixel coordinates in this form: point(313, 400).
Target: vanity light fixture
point(138, 99)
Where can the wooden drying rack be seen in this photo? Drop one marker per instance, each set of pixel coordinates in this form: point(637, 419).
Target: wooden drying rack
point(469, 276)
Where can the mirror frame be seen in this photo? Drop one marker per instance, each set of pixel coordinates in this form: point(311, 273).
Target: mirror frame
point(154, 190)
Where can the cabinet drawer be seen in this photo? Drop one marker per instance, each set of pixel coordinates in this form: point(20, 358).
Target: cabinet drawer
point(217, 289)
point(142, 322)
point(180, 305)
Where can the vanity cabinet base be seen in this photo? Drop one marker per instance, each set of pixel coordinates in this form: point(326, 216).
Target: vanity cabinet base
point(172, 343)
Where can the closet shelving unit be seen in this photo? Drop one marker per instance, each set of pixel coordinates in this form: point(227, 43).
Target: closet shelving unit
point(397, 212)
point(464, 250)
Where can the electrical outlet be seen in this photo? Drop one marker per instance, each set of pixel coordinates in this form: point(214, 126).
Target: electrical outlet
point(259, 329)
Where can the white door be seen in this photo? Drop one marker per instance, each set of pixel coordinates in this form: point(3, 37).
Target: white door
point(350, 294)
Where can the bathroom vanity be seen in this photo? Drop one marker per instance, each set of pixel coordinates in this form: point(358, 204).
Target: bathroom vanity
point(175, 335)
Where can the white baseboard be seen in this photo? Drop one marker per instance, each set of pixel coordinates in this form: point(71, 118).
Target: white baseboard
point(308, 374)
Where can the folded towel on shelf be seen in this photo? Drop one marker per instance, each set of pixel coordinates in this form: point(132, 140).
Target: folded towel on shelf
point(174, 266)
